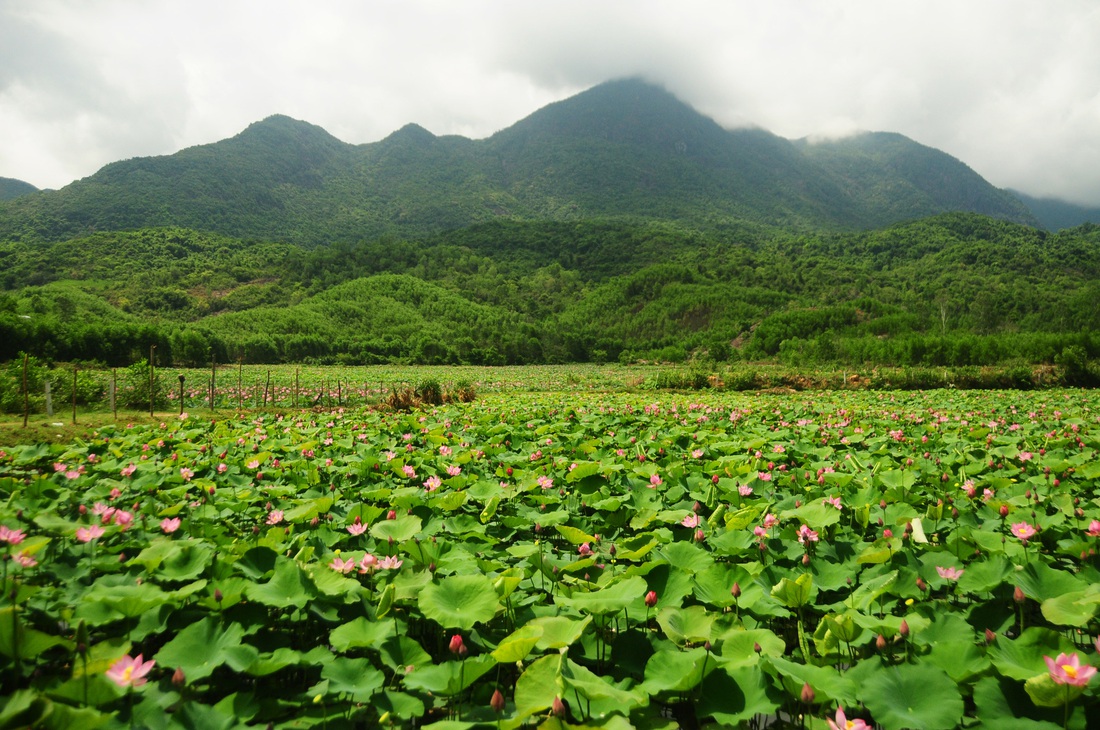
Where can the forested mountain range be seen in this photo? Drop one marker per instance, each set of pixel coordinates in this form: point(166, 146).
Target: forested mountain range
point(619, 224)
point(621, 149)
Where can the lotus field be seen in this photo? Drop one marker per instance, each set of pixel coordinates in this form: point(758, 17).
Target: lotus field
point(848, 559)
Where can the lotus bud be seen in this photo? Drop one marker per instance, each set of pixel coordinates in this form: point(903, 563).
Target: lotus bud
point(1003, 511)
point(882, 504)
point(954, 513)
point(497, 701)
point(651, 599)
point(756, 647)
point(315, 521)
point(456, 646)
point(921, 585)
point(887, 533)
point(990, 637)
point(218, 595)
point(806, 559)
point(700, 535)
point(558, 707)
point(1018, 595)
point(391, 515)
point(178, 677)
point(714, 479)
point(611, 550)
point(431, 567)
point(903, 630)
point(707, 645)
point(880, 643)
point(807, 695)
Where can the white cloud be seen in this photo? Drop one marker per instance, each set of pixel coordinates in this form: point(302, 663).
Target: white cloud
point(1008, 86)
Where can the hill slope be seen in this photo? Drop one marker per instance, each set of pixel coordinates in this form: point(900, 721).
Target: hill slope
point(622, 149)
point(12, 188)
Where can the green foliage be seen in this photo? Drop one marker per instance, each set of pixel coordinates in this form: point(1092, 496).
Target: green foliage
point(134, 387)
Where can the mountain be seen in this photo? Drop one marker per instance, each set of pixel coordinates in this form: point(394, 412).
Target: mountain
point(12, 188)
point(623, 149)
point(1054, 214)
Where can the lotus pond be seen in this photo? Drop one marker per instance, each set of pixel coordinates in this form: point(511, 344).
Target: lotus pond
point(923, 560)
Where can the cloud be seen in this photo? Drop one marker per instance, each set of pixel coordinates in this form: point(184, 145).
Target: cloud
point(1008, 86)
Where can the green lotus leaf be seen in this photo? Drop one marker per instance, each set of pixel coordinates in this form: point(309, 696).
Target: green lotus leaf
point(575, 536)
point(794, 593)
point(558, 632)
point(1040, 582)
point(962, 660)
point(610, 599)
point(825, 681)
point(1076, 608)
point(400, 652)
point(735, 695)
point(459, 601)
point(400, 529)
point(517, 645)
point(677, 671)
point(537, 687)
point(738, 645)
point(913, 696)
point(289, 586)
point(869, 591)
point(19, 640)
point(687, 557)
point(600, 696)
point(355, 677)
point(1022, 658)
point(360, 633)
point(686, 625)
point(449, 678)
point(205, 645)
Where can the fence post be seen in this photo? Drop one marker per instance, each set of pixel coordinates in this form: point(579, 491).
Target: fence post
point(114, 387)
point(181, 393)
point(49, 401)
point(152, 380)
point(26, 395)
point(213, 376)
point(74, 394)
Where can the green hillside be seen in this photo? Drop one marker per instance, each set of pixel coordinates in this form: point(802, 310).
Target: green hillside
point(12, 188)
point(624, 149)
point(957, 289)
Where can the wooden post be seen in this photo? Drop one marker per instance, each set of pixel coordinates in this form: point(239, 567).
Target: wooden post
point(74, 394)
point(114, 388)
point(240, 388)
point(181, 393)
point(152, 391)
point(339, 394)
point(213, 375)
point(267, 390)
point(296, 387)
point(26, 395)
point(49, 401)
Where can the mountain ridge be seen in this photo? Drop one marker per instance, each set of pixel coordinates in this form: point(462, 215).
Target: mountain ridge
point(624, 148)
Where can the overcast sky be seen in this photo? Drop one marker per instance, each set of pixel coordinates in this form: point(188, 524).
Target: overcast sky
point(1010, 87)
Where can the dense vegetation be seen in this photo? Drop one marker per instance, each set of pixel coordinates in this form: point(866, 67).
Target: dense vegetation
point(955, 289)
point(621, 149)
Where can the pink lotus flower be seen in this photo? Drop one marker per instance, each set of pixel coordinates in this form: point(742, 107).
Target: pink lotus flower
point(128, 470)
point(1094, 529)
point(1068, 670)
point(843, 723)
point(1023, 530)
point(390, 563)
point(545, 482)
point(585, 549)
point(691, 520)
point(770, 521)
point(275, 517)
point(357, 527)
point(409, 471)
point(433, 483)
point(454, 470)
point(342, 566)
point(834, 501)
point(697, 454)
point(949, 573)
point(222, 468)
point(89, 533)
point(368, 563)
point(744, 490)
point(806, 535)
point(11, 537)
point(186, 473)
point(254, 464)
point(130, 672)
point(170, 524)
point(25, 560)
point(123, 518)
point(655, 481)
